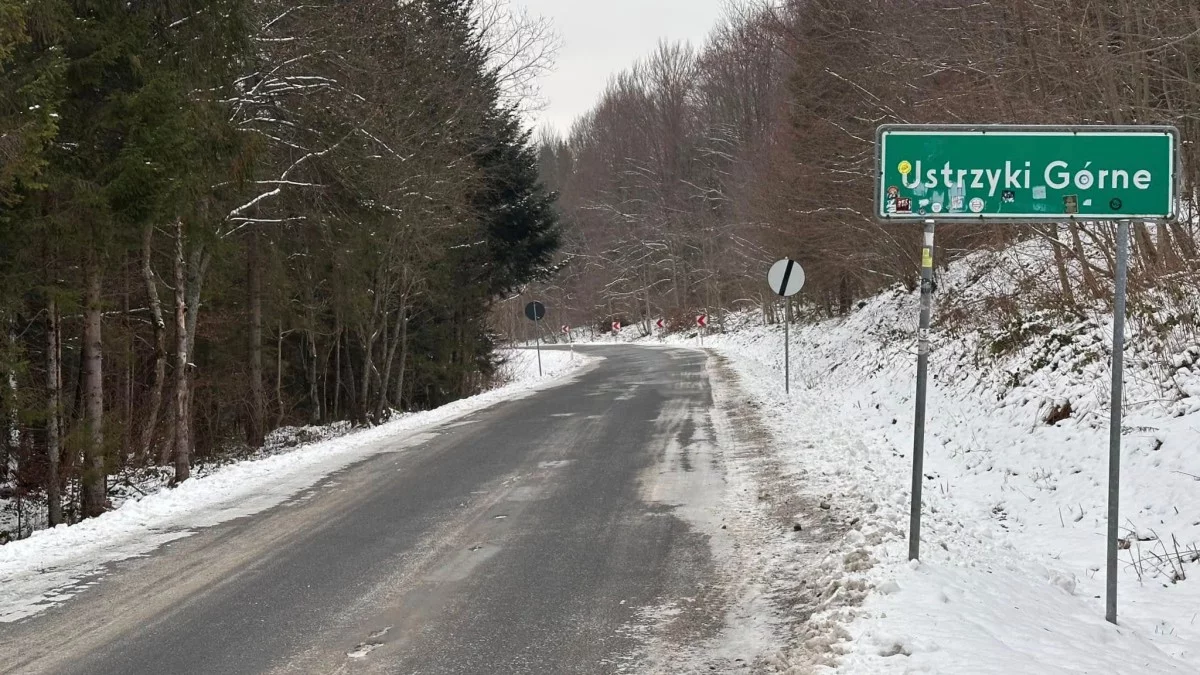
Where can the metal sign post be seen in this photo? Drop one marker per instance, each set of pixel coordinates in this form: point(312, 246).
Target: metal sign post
point(1114, 423)
point(914, 526)
point(535, 312)
point(1023, 174)
point(787, 341)
point(786, 278)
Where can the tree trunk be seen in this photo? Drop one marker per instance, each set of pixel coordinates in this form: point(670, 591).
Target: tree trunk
point(351, 388)
point(93, 486)
point(314, 393)
point(12, 422)
point(368, 364)
point(649, 322)
point(1145, 244)
point(337, 365)
point(1089, 278)
point(1060, 264)
point(258, 403)
point(370, 336)
point(1166, 249)
point(391, 339)
point(53, 387)
point(397, 336)
point(160, 349)
point(279, 376)
point(127, 425)
point(197, 269)
point(403, 357)
point(182, 440)
point(1184, 241)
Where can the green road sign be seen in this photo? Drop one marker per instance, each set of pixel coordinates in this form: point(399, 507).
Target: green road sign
point(1026, 173)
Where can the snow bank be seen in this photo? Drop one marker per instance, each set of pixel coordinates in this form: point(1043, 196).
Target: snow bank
point(47, 568)
point(1011, 578)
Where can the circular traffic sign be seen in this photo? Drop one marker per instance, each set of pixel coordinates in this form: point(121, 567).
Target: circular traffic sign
point(786, 277)
point(535, 311)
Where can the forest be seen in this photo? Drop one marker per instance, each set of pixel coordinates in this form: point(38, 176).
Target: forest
point(701, 166)
point(220, 217)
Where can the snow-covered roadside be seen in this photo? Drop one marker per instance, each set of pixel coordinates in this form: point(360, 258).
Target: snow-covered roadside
point(48, 567)
point(989, 595)
point(1011, 578)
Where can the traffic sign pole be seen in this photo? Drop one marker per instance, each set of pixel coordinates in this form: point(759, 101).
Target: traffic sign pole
point(1114, 429)
point(535, 312)
point(537, 330)
point(786, 278)
point(914, 526)
point(787, 341)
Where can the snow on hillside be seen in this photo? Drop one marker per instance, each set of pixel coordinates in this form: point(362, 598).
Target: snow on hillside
point(1011, 575)
point(52, 565)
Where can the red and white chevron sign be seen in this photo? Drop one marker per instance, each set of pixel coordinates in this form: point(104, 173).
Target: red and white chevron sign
point(616, 326)
point(659, 323)
point(565, 329)
point(702, 320)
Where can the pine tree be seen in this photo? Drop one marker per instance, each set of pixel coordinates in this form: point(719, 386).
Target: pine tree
point(517, 210)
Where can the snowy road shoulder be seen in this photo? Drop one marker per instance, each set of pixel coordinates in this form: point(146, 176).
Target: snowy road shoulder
point(53, 565)
point(1010, 578)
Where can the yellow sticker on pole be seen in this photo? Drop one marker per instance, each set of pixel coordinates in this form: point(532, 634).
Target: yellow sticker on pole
point(926, 257)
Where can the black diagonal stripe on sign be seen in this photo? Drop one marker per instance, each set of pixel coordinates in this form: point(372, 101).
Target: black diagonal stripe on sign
point(787, 274)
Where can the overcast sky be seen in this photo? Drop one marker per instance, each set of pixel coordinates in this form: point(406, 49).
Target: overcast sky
point(602, 37)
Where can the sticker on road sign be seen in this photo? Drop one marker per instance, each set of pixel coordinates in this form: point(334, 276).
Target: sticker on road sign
point(535, 311)
point(786, 278)
point(977, 205)
point(937, 207)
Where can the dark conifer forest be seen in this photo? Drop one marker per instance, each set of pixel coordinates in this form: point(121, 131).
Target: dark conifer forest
point(219, 217)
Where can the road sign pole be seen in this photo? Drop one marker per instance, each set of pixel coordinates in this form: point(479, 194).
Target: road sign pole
point(914, 527)
point(787, 340)
point(537, 330)
point(786, 278)
point(1114, 429)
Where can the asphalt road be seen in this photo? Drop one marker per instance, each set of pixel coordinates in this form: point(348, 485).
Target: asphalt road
point(557, 533)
